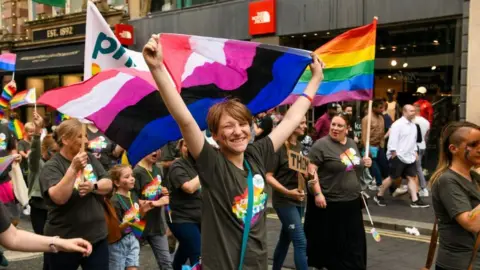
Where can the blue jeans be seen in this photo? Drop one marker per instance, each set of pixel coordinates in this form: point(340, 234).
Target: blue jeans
point(98, 260)
point(188, 236)
point(379, 168)
point(125, 253)
point(292, 231)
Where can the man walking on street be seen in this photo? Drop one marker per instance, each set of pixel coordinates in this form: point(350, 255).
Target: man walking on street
point(322, 126)
point(402, 152)
point(424, 125)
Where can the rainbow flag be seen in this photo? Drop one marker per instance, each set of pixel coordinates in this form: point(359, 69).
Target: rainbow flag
point(349, 60)
point(7, 61)
point(138, 227)
point(5, 162)
point(17, 127)
point(9, 90)
point(2, 114)
point(23, 98)
point(60, 118)
point(3, 104)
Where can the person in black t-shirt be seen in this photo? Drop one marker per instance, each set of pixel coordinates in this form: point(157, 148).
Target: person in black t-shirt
point(224, 172)
point(106, 151)
point(264, 126)
point(186, 207)
point(73, 184)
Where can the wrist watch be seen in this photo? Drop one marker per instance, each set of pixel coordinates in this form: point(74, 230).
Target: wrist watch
point(52, 245)
point(95, 187)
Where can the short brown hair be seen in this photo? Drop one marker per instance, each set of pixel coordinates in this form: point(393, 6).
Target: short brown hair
point(116, 171)
point(48, 143)
point(68, 129)
point(233, 108)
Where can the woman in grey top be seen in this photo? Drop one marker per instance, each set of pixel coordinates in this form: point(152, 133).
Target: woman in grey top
point(333, 220)
point(456, 195)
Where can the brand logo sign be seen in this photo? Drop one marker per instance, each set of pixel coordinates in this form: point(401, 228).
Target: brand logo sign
point(261, 16)
point(124, 33)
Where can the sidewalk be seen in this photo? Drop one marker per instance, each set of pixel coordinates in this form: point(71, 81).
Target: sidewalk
point(397, 215)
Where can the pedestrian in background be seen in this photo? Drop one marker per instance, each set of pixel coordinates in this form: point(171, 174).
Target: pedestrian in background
point(424, 125)
point(456, 195)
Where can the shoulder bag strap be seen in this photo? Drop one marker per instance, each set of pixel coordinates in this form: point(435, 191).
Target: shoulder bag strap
point(248, 219)
point(433, 246)
point(474, 252)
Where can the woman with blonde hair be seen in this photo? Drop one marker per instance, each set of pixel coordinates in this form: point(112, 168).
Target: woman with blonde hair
point(224, 173)
point(456, 195)
point(73, 184)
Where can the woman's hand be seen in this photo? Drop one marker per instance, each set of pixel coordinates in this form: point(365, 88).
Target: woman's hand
point(296, 194)
point(317, 67)
point(367, 161)
point(320, 201)
point(84, 188)
point(74, 245)
point(152, 52)
point(79, 161)
point(162, 201)
point(165, 191)
point(38, 121)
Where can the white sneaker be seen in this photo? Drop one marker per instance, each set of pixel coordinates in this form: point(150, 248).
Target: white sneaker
point(400, 191)
point(373, 187)
point(423, 192)
point(26, 210)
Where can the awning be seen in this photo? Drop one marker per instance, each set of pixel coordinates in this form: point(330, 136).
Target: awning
point(49, 59)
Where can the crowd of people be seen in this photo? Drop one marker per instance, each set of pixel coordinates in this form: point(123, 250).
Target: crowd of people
point(207, 191)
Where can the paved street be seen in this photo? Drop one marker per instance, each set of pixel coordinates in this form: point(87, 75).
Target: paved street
point(390, 253)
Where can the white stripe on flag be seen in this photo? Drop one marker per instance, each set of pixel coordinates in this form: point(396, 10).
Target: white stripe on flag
point(100, 95)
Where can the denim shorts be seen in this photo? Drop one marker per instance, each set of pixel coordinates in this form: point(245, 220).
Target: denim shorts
point(124, 253)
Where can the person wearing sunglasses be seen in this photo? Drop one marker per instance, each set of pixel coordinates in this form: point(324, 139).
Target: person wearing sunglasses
point(456, 195)
point(333, 220)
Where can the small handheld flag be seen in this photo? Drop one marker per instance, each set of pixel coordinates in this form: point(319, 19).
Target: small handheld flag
point(17, 127)
point(23, 98)
point(7, 61)
point(138, 227)
point(9, 90)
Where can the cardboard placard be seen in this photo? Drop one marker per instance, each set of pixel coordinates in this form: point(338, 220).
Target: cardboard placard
point(297, 162)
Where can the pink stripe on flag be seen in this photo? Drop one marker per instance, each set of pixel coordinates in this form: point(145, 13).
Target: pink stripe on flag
point(129, 94)
point(9, 58)
point(319, 100)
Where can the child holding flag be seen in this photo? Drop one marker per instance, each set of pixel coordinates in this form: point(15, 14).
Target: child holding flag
point(125, 253)
point(148, 186)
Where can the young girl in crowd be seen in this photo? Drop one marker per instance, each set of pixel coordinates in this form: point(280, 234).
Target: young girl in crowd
point(125, 253)
point(224, 173)
point(456, 195)
point(186, 207)
point(148, 187)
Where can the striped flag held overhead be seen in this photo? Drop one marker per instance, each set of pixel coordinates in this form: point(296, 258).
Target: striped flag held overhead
point(9, 90)
point(348, 75)
point(23, 98)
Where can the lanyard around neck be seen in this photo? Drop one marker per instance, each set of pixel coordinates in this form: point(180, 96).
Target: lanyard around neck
point(124, 204)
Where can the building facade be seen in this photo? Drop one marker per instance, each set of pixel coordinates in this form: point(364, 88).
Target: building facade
point(419, 43)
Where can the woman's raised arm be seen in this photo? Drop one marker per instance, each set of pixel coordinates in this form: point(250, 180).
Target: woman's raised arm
point(152, 52)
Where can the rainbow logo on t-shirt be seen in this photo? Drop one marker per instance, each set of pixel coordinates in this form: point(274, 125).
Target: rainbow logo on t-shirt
point(240, 202)
point(153, 190)
point(98, 144)
point(350, 159)
point(88, 175)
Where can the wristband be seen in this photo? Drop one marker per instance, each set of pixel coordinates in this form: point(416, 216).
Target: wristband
point(307, 96)
point(52, 245)
point(317, 193)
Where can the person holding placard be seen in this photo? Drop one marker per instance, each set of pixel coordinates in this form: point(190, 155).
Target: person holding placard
point(333, 220)
point(288, 201)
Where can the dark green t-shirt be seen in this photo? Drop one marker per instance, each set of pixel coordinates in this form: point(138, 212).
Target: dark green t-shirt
point(452, 195)
point(8, 142)
point(25, 147)
point(225, 197)
point(284, 175)
point(155, 223)
point(339, 167)
point(123, 206)
point(80, 216)
point(186, 208)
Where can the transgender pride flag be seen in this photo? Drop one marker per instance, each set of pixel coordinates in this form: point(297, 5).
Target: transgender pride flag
point(7, 61)
point(125, 105)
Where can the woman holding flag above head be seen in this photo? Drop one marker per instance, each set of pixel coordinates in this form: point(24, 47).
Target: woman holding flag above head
point(232, 178)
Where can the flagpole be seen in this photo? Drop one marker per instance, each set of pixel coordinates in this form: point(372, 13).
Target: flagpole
point(13, 76)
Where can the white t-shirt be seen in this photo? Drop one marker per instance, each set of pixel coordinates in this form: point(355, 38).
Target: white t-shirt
point(424, 128)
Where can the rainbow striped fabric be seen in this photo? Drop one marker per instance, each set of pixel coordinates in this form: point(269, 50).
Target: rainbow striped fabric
point(9, 90)
point(348, 75)
point(60, 118)
point(138, 227)
point(17, 127)
point(23, 98)
point(5, 162)
point(7, 61)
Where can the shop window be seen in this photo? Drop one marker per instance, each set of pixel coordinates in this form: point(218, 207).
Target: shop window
point(164, 5)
